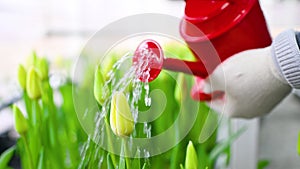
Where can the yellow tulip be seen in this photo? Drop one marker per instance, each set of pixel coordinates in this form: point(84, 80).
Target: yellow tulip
point(33, 84)
point(43, 68)
point(121, 120)
point(22, 76)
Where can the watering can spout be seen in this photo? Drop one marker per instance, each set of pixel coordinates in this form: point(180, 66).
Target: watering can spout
point(193, 68)
point(149, 59)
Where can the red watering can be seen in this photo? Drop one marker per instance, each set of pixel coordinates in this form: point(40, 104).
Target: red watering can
point(214, 30)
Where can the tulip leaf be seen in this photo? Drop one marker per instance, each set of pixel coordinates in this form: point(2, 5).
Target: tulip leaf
point(144, 166)
point(263, 164)
point(109, 162)
point(136, 162)
point(6, 157)
point(223, 146)
point(41, 160)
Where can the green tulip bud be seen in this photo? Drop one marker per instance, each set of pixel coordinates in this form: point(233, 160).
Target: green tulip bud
point(191, 160)
point(21, 125)
point(22, 76)
point(181, 88)
point(33, 84)
point(121, 120)
point(31, 60)
point(107, 65)
point(43, 68)
point(99, 91)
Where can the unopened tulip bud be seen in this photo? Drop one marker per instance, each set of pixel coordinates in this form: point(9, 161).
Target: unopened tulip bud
point(43, 68)
point(33, 84)
point(191, 160)
point(107, 65)
point(99, 91)
point(181, 88)
point(31, 60)
point(21, 124)
point(121, 120)
point(22, 76)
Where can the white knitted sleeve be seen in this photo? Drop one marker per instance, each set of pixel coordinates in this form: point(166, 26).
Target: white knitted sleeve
point(287, 57)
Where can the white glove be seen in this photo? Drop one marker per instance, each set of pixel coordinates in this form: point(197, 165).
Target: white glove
point(255, 81)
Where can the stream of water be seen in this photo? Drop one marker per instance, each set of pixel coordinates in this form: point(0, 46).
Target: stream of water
point(131, 85)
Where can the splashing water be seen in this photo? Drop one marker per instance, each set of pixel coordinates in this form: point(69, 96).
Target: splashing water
point(113, 84)
point(147, 129)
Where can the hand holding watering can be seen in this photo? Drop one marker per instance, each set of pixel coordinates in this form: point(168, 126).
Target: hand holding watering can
point(238, 72)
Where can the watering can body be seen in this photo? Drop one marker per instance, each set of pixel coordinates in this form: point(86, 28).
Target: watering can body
point(216, 30)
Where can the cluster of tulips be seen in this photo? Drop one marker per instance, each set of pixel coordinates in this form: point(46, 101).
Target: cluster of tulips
point(50, 134)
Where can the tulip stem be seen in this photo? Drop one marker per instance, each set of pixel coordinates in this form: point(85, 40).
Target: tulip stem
point(113, 157)
point(28, 151)
point(28, 106)
point(127, 159)
point(36, 114)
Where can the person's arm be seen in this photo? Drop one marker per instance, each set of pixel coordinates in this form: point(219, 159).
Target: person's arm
point(255, 81)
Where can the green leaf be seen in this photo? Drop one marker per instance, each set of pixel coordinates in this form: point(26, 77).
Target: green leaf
point(223, 146)
point(6, 157)
point(203, 156)
point(228, 155)
point(41, 159)
point(181, 166)
point(136, 162)
point(263, 164)
point(144, 166)
point(177, 157)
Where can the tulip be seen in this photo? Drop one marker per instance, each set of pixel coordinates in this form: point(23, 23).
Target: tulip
point(107, 65)
point(22, 76)
point(21, 125)
point(191, 160)
point(31, 60)
point(43, 68)
point(121, 119)
point(33, 84)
